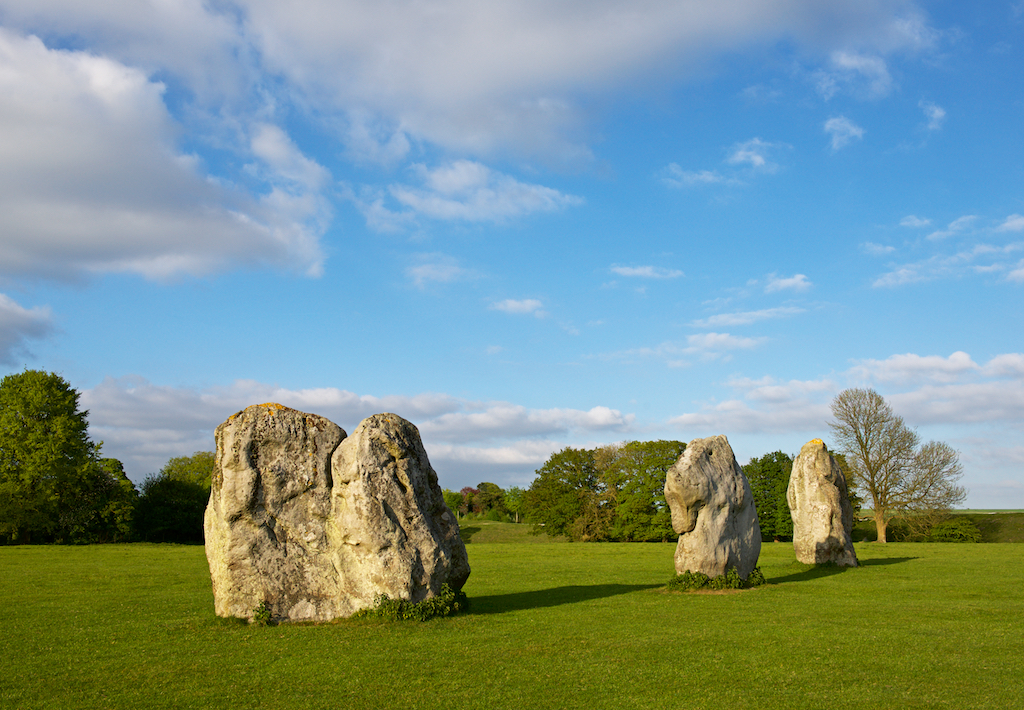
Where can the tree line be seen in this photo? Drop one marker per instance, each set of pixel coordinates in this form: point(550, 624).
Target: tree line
point(55, 485)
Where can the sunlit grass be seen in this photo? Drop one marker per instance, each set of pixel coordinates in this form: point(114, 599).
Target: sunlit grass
point(557, 625)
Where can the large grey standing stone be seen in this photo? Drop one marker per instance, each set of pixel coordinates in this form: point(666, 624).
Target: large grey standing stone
point(819, 503)
point(283, 528)
point(391, 531)
point(712, 510)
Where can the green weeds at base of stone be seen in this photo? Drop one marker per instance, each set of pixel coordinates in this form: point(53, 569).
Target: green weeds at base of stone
point(447, 603)
point(698, 581)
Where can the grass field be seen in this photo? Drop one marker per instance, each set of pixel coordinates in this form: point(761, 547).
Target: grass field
point(556, 625)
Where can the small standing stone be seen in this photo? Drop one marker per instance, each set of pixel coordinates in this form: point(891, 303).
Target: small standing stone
point(819, 503)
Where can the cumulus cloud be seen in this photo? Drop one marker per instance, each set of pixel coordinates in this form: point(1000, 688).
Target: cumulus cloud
point(647, 272)
point(867, 73)
point(843, 131)
point(18, 325)
point(797, 282)
point(91, 181)
point(524, 306)
point(746, 317)
point(145, 424)
point(907, 368)
point(754, 153)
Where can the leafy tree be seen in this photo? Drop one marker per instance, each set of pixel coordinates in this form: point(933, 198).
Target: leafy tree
point(514, 502)
point(469, 503)
point(769, 481)
point(899, 478)
point(453, 500)
point(173, 502)
point(53, 484)
point(490, 496)
point(633, 474)
point(562, 487)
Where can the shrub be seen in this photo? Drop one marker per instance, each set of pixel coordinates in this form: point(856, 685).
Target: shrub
point(955, 529)
point(261, 614)
point(447, 603)
point(694, 581)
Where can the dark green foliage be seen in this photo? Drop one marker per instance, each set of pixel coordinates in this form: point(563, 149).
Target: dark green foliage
point(634, 476)
point(490, 496)
point(956, 529)
point(172, 503)
point(261, 615)
point(453, 500)
point(562, 487)
point(696, 581)
point(53, 484)
point(769, 480)
point(447, 603)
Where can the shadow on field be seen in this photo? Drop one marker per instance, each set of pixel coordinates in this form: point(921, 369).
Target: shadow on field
point(498, 603)
point(818, 571)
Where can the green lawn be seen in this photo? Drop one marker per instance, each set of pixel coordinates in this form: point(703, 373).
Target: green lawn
point(557, 625)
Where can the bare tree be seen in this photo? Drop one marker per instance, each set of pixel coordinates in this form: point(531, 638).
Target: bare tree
point(898, 477)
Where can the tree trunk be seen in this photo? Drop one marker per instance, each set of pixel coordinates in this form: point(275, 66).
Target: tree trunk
point(880, 524)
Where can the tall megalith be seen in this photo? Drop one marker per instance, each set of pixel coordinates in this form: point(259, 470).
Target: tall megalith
point(819, 503)
point(287, 527)
point(712, 510)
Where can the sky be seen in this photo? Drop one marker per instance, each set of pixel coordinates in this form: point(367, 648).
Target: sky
point(520, 225)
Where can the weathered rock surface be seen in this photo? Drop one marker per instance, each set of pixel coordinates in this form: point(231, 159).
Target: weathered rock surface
point(819, 503)
point(317, 525)
point(712, 510)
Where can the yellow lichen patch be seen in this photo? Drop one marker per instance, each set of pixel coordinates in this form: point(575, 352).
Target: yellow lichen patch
point(818, 442)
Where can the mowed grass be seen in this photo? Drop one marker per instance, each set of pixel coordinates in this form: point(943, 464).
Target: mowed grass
point(560, 625)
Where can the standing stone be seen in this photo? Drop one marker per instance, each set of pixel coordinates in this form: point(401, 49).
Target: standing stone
point(287, 527)
point(819, 503)
point(712, 510)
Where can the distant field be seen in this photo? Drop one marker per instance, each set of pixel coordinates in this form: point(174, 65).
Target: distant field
point(995, 526)
point(556, 625)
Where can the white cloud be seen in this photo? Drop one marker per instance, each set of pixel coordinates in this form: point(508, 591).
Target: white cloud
point(936, 115)
point(914, 221)
point(18, 325)
point(755, 153)
point(647, 272)
point(842, 130)
point(1017, 274)
point(797, 282)
point(958, 225)
point(719, 342)
point(144, 425)
point(470, 191)
point(525, 306)
point(908, 368)
point(675, 176)
point(91, 181)
point(979, 259)
point(1013, 223)
point(437, 268)
point(746, 317)
point(877, 249)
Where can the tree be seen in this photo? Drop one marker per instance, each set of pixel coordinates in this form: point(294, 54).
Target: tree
point(173, 502)
point(769, 480)
point(514, 500)
point(490, 496)
point(453, 500)
point(564, 484)
point(633, 474)
point(899, 478)
point(53, 483)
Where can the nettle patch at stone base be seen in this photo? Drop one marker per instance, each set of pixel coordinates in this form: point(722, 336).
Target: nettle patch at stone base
point(698, 581)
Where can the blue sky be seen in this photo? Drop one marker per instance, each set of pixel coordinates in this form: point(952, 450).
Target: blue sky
point(520, 225)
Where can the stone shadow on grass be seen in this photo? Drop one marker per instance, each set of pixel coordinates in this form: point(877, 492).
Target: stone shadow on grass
point(818, 571)
point(557, 596)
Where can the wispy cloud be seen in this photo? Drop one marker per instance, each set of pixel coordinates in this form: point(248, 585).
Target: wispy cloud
point(797, 282)
point(936, 115)
point(914, 221)
point(746, 317)
point(675, 176)
point(436, 268)
point(978, 259)
point(754, 153)
point(877, 249)
point(519, 307)
point(843, 131)
point(957, 226)
point(1013, 223)
point(647, 272)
